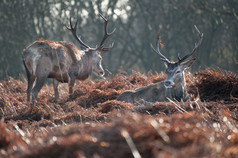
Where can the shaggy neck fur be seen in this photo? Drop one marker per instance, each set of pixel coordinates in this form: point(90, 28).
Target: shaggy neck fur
point(178, 92)
point(85, 65)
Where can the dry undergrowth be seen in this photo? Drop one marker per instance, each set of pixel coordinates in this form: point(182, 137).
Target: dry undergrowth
point(94, 124)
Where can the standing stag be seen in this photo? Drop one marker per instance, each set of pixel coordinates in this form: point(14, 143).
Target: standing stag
point(174, 87)
point(62, 61)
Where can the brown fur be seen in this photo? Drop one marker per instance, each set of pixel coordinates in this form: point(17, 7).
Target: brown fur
point(61, 61)
point(173, 88)
point(160, 91)
point(153, 93)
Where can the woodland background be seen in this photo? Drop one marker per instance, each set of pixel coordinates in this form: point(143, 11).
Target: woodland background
point(136, 22)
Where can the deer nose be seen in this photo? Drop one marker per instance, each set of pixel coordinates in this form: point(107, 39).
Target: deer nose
point(167, 83)
point(101, 73)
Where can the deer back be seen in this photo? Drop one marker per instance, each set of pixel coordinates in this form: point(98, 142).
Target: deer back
point(57, 57)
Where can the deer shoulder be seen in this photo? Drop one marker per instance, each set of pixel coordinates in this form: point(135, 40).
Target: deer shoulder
point(150, 93)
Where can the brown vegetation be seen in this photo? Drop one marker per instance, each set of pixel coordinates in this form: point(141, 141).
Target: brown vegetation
point(94, 124)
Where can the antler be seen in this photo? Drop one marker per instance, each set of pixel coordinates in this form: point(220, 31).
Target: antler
point(101, 48)
point(162, 57)
point(195, 48)
point(73, 30)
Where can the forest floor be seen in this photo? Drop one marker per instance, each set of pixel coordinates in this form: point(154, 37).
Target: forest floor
point(93, 124)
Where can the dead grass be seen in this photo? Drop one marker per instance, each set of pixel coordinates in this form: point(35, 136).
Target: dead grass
point(94, 124)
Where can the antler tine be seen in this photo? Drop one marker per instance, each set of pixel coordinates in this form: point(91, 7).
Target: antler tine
point(107, 48)
point(106, 35)
point(67, 26)
point(158, 41)
point(195, 47)
point(74, 30)
point(162, 57)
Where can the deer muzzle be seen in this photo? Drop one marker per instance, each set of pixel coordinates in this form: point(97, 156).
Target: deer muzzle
point(99, 73)
point(169, 84)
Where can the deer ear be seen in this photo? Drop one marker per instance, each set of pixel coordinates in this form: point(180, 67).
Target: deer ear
point(188, 63)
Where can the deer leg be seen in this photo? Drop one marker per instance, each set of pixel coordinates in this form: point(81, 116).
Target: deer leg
point(30, 81)
point(38, 85)
point(56, 84)
point(43, 69)
point(71, 84)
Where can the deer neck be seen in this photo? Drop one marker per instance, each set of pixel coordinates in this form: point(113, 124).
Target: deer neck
point(178, 92)
point(85, 66)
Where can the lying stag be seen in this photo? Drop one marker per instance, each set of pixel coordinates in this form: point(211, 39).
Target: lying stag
point(61, 61)
point(174, 87)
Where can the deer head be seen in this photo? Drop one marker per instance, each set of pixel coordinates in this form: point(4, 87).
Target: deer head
point(96, 52)
point(175, 70)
